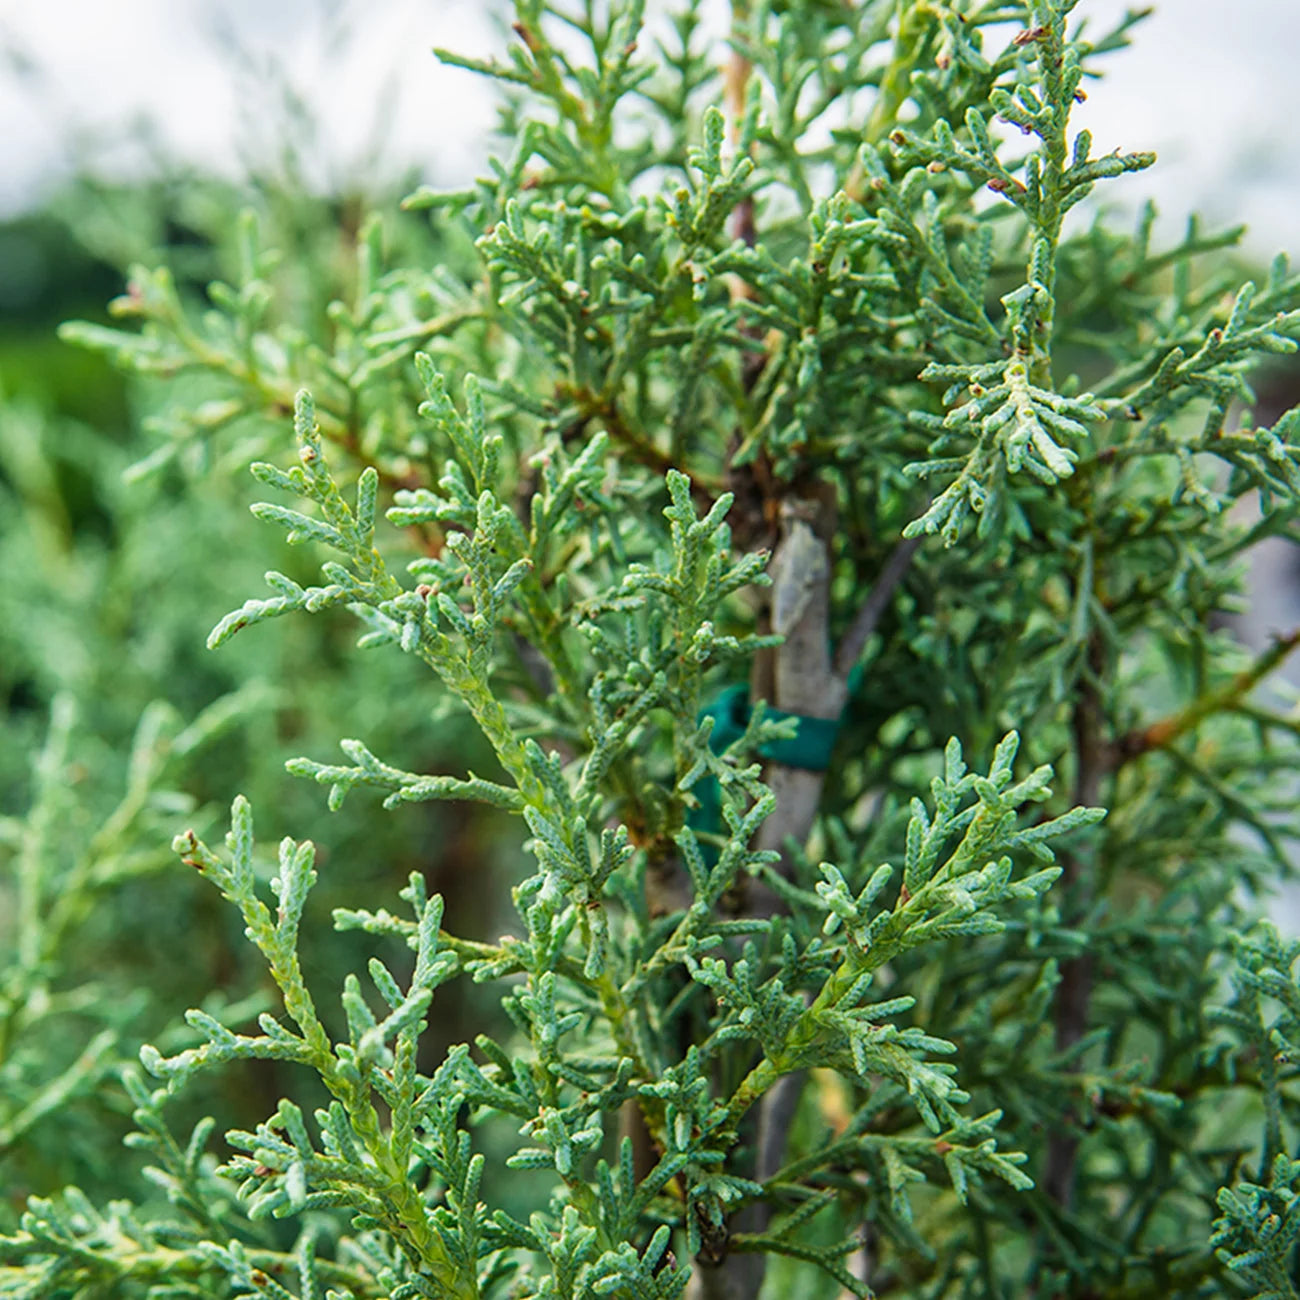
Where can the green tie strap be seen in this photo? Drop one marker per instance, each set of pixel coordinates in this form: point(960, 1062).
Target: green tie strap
point(809, 748)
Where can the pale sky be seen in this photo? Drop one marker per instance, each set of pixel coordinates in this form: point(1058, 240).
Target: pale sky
point(1210, 85)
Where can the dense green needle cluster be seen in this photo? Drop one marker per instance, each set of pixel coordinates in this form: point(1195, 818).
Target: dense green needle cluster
point(825, 526)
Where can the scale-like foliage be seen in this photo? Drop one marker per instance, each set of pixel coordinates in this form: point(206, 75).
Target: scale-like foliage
point(783, 444)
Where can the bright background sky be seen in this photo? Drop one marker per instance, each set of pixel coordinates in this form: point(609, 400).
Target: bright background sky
point(1210, 85)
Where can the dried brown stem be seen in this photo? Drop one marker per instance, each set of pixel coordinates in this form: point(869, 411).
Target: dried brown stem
point(1097, 758)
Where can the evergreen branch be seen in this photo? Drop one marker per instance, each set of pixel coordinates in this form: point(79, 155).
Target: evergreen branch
point(1020, 426)
point(1165, 731)
point(361, 1165)
point(406, 787)
point(938, 900)
point(694, 268)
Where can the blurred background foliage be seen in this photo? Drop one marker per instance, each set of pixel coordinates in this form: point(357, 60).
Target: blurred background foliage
point(113, 573)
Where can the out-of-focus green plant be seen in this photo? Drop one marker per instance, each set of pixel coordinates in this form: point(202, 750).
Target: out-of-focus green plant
point(107, 573)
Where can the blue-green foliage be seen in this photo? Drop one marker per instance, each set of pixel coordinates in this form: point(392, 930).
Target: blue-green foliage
point(1256, 1232)
point(118, 724)
point(948, 1034)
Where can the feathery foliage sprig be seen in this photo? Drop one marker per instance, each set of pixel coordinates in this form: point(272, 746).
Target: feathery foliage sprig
point(821, 519)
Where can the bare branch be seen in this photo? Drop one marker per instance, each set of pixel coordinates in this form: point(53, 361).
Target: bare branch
point(877, 601)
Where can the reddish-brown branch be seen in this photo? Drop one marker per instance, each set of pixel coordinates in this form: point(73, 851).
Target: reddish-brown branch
point(1164, 731)
point(637, 445)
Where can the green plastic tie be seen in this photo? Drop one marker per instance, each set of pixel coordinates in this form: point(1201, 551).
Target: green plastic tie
point(809, 748)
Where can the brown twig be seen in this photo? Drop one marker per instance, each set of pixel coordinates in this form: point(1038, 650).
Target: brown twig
point(1163, 732)
point(877, 601)
point(743, 225)
point(1074, 992)
point(636, 443)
